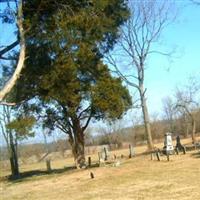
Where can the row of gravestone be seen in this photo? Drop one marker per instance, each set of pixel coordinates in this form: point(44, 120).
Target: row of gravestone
point(104, 154)
point(168, 146)
point(168, 149)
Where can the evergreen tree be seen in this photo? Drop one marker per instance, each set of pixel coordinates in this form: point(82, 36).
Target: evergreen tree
point(64, 70)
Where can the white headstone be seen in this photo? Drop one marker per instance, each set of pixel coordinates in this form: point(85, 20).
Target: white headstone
point(168, 146)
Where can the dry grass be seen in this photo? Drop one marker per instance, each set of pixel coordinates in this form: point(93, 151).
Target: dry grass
point(137, 178)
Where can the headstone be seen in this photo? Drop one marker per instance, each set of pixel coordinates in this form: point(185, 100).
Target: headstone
point(48, 164)
point(131, 151)
point(158, 155)
point(89, 161)
point(117, 163)
point(168, 146)
point(91, 175)
point(101, 160)
point(104, 154)
point(179, 146)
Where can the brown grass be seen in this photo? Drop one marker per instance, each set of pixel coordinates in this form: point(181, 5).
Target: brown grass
point(136, 178)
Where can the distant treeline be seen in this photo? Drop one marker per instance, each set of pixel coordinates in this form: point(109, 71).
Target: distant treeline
point(135, 135)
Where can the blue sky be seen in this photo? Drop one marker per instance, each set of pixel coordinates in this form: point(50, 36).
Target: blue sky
point(162, 75)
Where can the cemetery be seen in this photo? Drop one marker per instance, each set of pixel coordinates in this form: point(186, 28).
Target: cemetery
point(116, 173)
point(99, 99)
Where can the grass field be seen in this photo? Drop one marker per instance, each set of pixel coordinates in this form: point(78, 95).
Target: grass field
point(136, 178)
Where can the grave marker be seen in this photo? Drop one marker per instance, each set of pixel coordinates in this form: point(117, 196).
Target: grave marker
point(48, 164)
point(131, 151)
point(179, 146)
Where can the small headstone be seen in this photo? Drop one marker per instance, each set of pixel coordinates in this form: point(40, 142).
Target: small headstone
point(177, 151)
point(179, 146)
point(89, 161)
point(48, 164)
point(83, 166)
point(91, 175)
point(101, 160)
point(117, 163)
point(184, 150)
point(158, 155)
point(105, 153)
point(131, 151)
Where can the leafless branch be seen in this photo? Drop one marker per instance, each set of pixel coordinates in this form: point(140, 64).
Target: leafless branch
point(7, 103)
point(8, 48)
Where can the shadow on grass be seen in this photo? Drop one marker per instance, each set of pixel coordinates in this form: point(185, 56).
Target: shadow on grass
point(39, 173)
point(196, 154)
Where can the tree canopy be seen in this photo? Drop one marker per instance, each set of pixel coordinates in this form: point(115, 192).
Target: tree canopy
point(64, 70)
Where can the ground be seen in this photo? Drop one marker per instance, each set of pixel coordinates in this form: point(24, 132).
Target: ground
point(136, 178)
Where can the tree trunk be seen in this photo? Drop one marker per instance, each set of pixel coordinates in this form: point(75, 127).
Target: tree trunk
point(146, 118)
point(172, 128)
point(78, 144)
point(187, 130)
point(78, 153)
point(13, 158)
point(193, 131)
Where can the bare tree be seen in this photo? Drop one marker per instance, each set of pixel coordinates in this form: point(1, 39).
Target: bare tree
point(169, 112)
point(187, 101)
point(10, 84)
point(142, 30)
point(111, 132)
point(15, 126)
point(10, 139)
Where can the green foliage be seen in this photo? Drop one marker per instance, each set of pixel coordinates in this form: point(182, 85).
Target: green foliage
point(22, 126)
point(64, 70)
point(110, 97)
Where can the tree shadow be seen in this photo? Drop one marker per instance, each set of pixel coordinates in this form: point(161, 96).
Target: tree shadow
point(196, 154)
point(39, 173)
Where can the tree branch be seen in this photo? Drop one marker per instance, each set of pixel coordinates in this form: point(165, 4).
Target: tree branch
point(10, 84)
point(8, 48)
point(88, 121)
point(85, 110)
point(111, 60)
point(7, 103)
